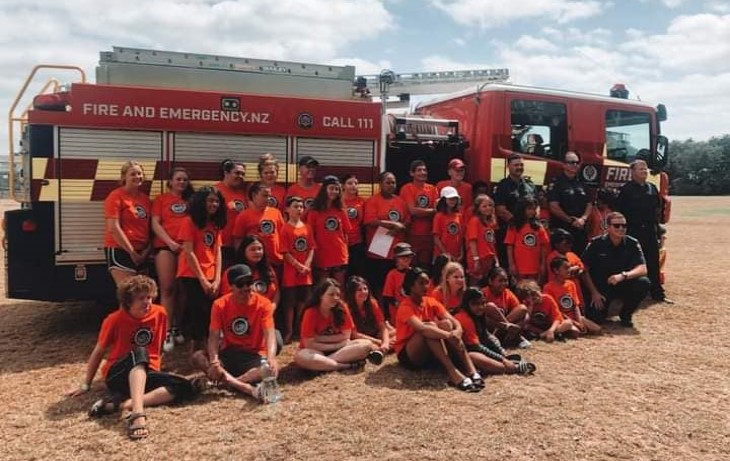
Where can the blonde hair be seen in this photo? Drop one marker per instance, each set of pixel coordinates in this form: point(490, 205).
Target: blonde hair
point(126, 167)
point(526, 288)
point(478, 200)
point(266, 160)
point(449, 269)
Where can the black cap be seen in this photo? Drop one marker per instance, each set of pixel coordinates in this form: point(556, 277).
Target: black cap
point(403, 249)
point(308, 160)
point(239, 272)
point(330, 179)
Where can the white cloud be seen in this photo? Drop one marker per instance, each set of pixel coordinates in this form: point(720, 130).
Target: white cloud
point(490, 13)
point(720, 7)
point(528, 43)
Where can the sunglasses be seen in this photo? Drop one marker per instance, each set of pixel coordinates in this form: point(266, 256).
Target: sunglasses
point(243, 283)
point(618, 226)
point(572, 162)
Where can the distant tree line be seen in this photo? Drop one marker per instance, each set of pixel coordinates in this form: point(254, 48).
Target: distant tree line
point(700, 167)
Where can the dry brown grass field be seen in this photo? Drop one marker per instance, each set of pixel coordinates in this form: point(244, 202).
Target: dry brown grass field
point(659, 392)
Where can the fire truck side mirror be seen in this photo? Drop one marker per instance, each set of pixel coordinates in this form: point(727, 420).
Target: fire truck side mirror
point(661, 153)
point(661, 113)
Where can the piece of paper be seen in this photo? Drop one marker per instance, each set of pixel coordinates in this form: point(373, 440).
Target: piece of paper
point(381, 243)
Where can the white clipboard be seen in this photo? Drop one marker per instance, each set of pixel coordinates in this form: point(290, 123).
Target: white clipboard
point(381, 243)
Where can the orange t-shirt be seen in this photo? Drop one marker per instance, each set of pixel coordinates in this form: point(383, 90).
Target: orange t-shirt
point(235, 202)
point(505, 301)
point(549, 308)
point(379, 208)
point(543, 217)
point(378, 319)
point(242, 325)
point(121, 332)
point(393, 287)
point(354, 210)
point(485, 237)
point(297, 241)
point(307, 194)
point(316, 324)
point(429, 310)
point(330, 228)
point(597, 224)
point(450, 228)
point(566, 295)
point(451, 304)
point(133, 213)
point(469, 335)
point(464, 189)
point(527, 243)
point(206, 243)
point(268, 291)
point(266, 224)
point(424, 196)
point(278, 197)
point(172, 211)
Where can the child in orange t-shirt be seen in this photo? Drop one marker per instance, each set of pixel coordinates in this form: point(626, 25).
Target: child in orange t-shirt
point(325, 338)
point(261, 220)
point(200, 265)
point(448, 226)
point(354, 207)
point(527, 242)
point(603, 205)
point(297, 246)
point(133, 336)
point(452, 286)
point(393, 288)
point(505, 315)
point(481, 253)
point(484, 348)
point(543, 214)
point(545, 320)
point(565, 292)
point(369, 320)
point(330, 226)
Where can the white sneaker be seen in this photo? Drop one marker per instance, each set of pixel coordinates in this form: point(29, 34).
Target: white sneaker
point(524, 344)
point(178, 336)
point(169, 343)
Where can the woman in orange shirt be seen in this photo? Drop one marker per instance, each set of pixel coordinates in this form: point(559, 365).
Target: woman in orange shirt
point(327, 326)
point(200, 267)
point(354, 206)
point(133, 335)
point(367, 315)
point(169, 211)
point(127, 211)
point(330, 225)
point(233, 189)
point(452, 286)
point(269, 173)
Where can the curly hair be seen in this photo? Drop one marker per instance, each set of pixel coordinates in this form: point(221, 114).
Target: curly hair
point(199, 210)
point(132, 287)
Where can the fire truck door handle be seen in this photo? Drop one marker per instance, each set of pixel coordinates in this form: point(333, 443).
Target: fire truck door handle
point(45, 182)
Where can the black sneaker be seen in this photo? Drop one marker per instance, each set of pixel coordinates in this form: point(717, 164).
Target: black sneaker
point(627, 323)
point(375, 357)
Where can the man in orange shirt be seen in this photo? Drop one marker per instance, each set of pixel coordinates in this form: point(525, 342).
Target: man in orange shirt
point(457, 170)
point(133, 336)
point(261, 220)
point(241, 336)
point(305, 187)
point(421, 198)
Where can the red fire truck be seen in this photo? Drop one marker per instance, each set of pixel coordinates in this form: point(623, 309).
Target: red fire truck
point(164, 108)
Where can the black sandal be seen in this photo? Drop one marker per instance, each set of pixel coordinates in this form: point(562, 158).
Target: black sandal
point(478, 381)
point(466, 385)
point(137, 431)
point(99, 409)
point(375, 357)
point(526, 368)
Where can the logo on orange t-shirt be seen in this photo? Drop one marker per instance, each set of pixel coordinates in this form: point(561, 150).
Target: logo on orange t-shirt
point(179, 208)
point(273, 202)
point(489, 235)
point(352, 213)
point(300, 244)
point(566, 302)
point(331, 224)
point(422, 201)
point(238, 205)
point(142, 337)
point(140, 211)
point(452, 228)
point(267, 227)
point(239, 326)
point(260, 287)
point(208, 238)
point(308, 203)
point(529, 239)
point(394, 215)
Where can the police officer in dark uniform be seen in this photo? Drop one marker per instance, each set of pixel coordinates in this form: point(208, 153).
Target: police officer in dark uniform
point(506, 195)
point(570, 205)
point(639, 201)
point(615, 269)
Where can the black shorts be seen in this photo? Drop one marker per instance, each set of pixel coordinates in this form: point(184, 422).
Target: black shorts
point(406, 361)
point(116, 258)
point(197, 308)
point(238, 361)
point(117, 380)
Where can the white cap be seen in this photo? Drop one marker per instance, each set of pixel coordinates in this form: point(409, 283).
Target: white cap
point(449, 192)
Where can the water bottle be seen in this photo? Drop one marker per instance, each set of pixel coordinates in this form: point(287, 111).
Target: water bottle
point(271, 392)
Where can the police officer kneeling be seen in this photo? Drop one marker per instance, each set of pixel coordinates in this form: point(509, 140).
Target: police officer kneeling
point(615, 269)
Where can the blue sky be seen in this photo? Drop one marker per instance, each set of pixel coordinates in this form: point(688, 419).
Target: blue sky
point(672, 51)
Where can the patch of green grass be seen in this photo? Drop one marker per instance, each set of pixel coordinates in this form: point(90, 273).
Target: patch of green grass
point(714, 211)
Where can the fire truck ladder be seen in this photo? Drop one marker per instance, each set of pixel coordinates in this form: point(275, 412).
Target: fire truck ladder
point(142, 67)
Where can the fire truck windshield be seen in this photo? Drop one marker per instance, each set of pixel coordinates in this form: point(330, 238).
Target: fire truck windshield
point(626, 134)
